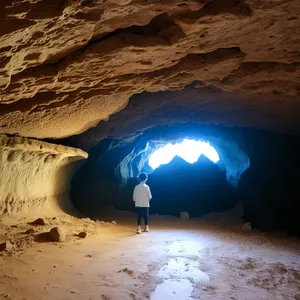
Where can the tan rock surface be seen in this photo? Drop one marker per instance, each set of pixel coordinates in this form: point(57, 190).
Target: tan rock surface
point(66, 65)
point(35, 177)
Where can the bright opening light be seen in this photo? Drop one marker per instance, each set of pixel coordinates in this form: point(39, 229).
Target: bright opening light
point(189, 150)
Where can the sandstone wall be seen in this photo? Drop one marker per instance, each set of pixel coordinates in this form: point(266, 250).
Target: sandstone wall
point(35, 177)
point(67, 65)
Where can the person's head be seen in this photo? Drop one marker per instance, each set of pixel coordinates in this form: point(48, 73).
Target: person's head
point(143, 177)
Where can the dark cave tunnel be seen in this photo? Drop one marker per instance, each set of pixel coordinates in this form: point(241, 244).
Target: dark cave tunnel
point(258, 169)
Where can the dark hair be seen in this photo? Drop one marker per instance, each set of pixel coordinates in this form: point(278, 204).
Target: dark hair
point(143, 177)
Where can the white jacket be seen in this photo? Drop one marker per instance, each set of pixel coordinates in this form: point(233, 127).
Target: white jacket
point(142, 195)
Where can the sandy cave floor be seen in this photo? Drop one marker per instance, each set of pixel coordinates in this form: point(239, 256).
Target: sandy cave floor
point(196, 259)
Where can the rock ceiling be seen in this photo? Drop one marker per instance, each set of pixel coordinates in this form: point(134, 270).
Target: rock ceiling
point(67, 65)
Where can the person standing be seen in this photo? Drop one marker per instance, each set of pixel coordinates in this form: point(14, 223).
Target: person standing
point(141, 197)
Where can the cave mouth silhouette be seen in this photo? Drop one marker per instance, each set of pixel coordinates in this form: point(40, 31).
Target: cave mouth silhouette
point(134, 154)
point(189, 150)
point(256, 168)
point(198, 186)
point(180, 186)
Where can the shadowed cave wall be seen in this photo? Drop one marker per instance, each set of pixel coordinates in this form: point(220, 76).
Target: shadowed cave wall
point(266, 176)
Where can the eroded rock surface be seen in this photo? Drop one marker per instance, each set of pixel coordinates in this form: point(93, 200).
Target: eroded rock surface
point(66, 65)
point(35, 177)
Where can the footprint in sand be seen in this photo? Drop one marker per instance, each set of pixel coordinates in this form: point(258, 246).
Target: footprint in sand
point(125, 270)
point(132, 296)
point(209, 288)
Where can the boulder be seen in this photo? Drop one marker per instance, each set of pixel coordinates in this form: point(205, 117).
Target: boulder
point(7, 245)
point(184, 215)
point(247, 227)
point(82, 234)
point(29, 231)
point(37, 222)
point(56, 235)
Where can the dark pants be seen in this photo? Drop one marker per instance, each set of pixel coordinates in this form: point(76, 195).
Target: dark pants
point(142, 212)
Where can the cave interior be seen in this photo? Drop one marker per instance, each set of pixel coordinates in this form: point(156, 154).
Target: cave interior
point(90, 89)
point(257, 169)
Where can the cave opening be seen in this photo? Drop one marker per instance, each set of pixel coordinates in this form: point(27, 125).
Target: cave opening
point(195, 183)
point(189, 150)
point(256, 169)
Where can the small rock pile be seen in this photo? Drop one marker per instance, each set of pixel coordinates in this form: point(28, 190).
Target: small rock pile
point(16, 238)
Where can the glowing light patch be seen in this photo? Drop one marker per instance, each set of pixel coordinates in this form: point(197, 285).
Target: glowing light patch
point(189, 150)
